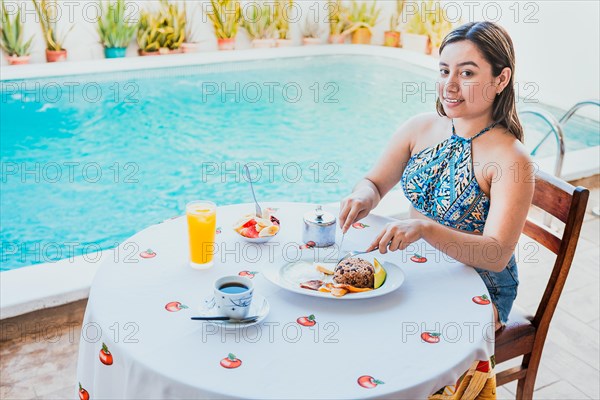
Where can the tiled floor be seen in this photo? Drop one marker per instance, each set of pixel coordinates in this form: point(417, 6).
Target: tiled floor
point(38, 355)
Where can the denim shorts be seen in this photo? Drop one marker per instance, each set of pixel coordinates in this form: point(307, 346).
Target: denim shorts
point(502, 287)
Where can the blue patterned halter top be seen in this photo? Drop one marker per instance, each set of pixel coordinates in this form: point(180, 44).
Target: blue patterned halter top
point(440, 183)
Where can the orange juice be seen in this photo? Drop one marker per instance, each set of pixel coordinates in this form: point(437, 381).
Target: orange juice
point(202, 224)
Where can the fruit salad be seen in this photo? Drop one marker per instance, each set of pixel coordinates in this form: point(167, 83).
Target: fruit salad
point(252, 227)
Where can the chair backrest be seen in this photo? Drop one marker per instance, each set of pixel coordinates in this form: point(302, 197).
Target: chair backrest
point(568, 204)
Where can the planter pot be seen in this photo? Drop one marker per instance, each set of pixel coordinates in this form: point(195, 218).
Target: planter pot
point(115, 52)
point(263, 43)
point(418, 43)
point(391, 39)
point(163, 51)
point(18, 60)
point(337, 39)
point(190, 47)
point(56, 56)
point(361, 36)
point(226, 44)
point(311, 41)
point(283, 42)
point(435, 51)
point(148, 53)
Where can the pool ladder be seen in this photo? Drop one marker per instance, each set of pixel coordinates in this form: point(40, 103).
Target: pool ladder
point(556, 127)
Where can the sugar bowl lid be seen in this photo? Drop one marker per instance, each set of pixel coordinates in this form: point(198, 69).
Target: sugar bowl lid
point(319, 217)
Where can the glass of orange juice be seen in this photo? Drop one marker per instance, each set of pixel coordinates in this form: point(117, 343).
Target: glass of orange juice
point(202, 224)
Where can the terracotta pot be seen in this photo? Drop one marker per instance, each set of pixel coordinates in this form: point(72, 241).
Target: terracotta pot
point(283, 42)
point(391, 39)
point(190, 47)
point(263, 43)
point(311, 41)
point(226, 44)
point(418, 43)
point(56, 56)
point(148, 53)
point(18, 60)
point(361, 36)
point(337, 39)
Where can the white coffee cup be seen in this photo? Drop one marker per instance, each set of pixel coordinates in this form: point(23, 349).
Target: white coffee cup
point(233, 296)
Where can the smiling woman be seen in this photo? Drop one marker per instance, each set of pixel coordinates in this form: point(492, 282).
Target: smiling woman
point(464, 169)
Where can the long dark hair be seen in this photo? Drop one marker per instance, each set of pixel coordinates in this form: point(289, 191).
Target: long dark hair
point(497, 48)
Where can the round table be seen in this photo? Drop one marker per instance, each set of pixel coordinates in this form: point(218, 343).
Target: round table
point(138, 340)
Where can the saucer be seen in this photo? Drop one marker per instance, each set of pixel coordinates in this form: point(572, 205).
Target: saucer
point(260, 307)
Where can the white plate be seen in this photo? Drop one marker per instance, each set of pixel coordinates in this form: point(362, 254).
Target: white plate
point(289, 276)
point(260, 306)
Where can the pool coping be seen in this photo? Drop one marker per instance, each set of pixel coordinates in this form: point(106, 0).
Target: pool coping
point(70, 68)
point(41, 286)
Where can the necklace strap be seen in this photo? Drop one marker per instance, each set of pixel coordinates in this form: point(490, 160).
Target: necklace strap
point(484, 130)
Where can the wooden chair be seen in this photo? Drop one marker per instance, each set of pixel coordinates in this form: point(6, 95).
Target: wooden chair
point(525, 336)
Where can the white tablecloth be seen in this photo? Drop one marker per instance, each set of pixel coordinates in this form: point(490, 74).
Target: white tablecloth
point(163, 354)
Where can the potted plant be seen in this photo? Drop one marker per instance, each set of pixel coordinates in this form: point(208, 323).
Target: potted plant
point(415, 37)
point(282, 22)
point(311, 32)
point(438, 26)
point(148, 37)
point(260, 26)
point(191, 43)
point(115, 33)
point(363, 19)
point(172, 28)
point(391, 38)
point(47, 13)
point(163, 32)
point(225, 17)
point(12, 38)
point(339, 22)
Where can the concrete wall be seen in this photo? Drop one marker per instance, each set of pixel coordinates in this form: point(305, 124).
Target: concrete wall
point(556, 42)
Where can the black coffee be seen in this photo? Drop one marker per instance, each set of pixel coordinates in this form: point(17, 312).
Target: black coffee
point(233, 288)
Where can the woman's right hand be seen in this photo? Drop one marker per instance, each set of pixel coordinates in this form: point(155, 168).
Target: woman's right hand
point(356, 206)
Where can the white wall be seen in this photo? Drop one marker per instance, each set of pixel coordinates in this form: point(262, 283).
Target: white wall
point(556, 42)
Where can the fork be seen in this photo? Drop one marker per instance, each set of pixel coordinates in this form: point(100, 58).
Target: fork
point(258, 210)
point(357, 253)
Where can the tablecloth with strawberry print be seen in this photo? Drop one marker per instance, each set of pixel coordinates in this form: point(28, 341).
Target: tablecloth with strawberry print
point(138, 340)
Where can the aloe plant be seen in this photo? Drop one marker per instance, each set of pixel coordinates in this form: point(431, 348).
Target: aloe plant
point(437, 23)
point(260, 24)
point(12, 36)
point(416, 24)
point(339, 21)
point(282, 22)
point(47, 13)
point(362, 16)
point(162, 30)
point(148, 36)
point(225, 17)
point(395, 18)
point(173, 25)
point(113, 29)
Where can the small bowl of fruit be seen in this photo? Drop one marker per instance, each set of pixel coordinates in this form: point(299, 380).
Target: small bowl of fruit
point(256, 229)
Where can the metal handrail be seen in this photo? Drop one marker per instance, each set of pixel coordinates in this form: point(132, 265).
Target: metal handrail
point(563, 120)
point(555, 127)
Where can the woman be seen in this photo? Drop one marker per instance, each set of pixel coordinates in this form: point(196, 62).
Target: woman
point(464, 168)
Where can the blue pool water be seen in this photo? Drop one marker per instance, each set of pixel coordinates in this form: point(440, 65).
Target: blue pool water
point(89, 160)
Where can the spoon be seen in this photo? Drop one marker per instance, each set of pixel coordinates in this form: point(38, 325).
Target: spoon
point(258, 210)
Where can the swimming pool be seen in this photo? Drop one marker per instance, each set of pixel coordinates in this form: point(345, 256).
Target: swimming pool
point(89, 160)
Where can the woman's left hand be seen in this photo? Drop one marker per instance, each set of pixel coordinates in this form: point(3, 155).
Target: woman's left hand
point(398, 235)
